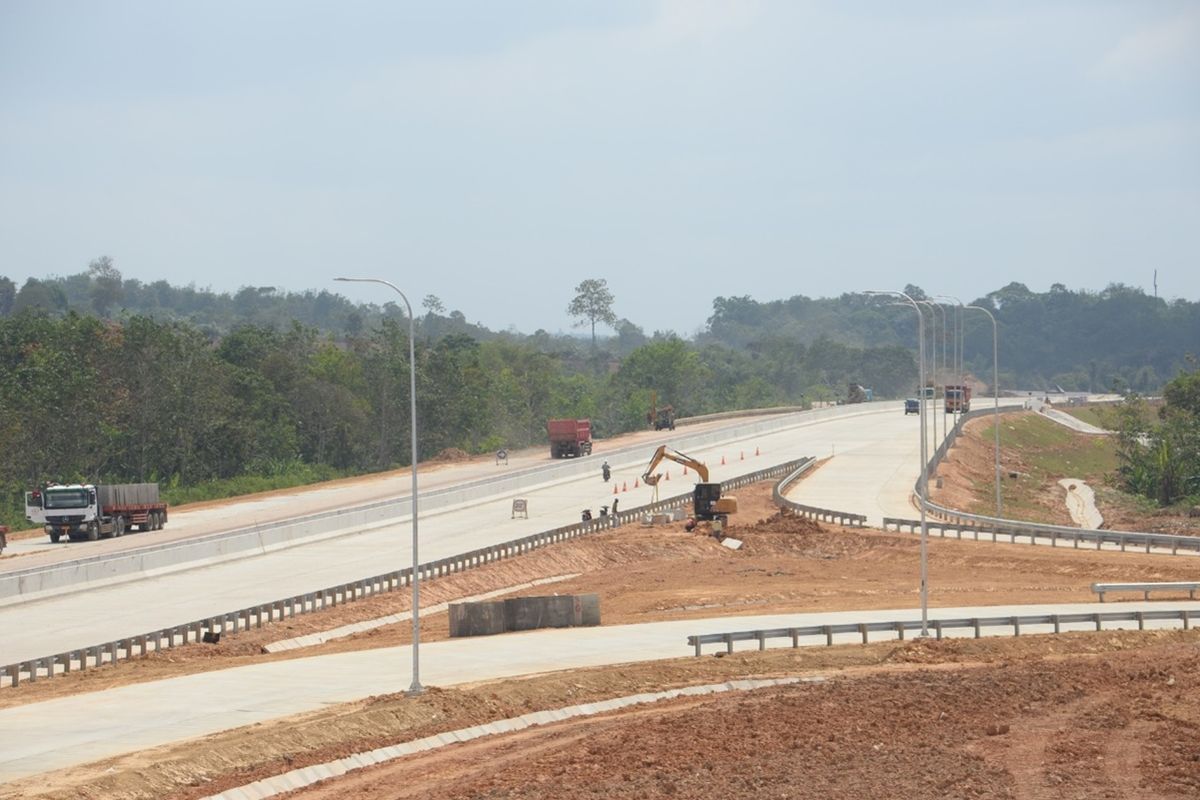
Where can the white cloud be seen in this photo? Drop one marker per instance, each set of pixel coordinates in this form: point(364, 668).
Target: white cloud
point(1162, 45)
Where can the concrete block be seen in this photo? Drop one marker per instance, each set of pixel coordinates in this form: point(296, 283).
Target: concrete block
point(477, 619)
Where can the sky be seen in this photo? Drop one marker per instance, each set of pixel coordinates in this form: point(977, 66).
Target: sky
point(496, 154)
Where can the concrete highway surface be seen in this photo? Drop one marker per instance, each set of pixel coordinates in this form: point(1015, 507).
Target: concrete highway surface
point(96, 615)
point(874, 466)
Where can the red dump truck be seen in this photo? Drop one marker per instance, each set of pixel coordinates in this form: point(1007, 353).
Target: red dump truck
point(570, 437)
point(86, 511)
point(958, 399)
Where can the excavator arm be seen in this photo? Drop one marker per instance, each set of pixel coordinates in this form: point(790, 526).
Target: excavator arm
point(651, 478)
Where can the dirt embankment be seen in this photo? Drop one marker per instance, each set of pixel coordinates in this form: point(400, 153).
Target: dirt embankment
point(1112, 715)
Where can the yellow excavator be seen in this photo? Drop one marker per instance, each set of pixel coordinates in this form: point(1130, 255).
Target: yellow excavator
point(707, 502)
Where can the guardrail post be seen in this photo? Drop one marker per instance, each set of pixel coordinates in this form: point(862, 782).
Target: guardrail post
point(900, 630)
point(32, 668)
point(795, 634)
point(1016, 623)
point(862, 629)
point(828, 635)
point(762, 641)
point(1054, 619)
point(937, 626)
point(14, 674)
point(975, 622)
point(1186, 619)
point(695, 640)
point(1141, 620)
point(1099, 624)
point(729, 643)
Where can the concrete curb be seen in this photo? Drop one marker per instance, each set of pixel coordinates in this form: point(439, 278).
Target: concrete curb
point(307, 776)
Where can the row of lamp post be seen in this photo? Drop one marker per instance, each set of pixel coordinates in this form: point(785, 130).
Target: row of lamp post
point(956, 368)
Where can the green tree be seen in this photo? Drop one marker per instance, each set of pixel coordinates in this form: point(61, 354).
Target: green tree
point(593, 303)
point(105, 290)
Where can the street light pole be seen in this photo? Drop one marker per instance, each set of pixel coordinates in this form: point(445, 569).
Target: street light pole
point(996, 398)
point(923, 482)
point(958, 351)
point(932, 305)
point(416, 687)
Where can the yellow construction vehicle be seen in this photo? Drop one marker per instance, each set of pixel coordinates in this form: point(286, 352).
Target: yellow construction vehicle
point(707, 502)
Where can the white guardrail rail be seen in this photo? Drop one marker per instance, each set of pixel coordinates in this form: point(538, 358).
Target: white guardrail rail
point(264, 613)
point(18, 585)
point(1045, 623)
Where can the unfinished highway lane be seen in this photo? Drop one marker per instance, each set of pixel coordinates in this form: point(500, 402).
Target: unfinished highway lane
point(60, 733)
point(100, 614)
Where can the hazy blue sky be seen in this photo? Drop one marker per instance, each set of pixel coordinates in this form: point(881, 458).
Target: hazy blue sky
point(497, 153)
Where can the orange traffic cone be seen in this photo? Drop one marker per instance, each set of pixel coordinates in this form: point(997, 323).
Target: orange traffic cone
point(742, 455)
point(635, 483)
point(614, 488)
point(624, 488)
point(685, 469)
point(755, 451)
point(668, 475)
point(722, 461)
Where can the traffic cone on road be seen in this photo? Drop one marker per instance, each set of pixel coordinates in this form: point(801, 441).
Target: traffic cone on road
point(722, 461)
point(624, 488)
point(635, 483)
point(685, 469)
point(614, 488)
point(756, 451)
point(668, 475)
point(741, 455)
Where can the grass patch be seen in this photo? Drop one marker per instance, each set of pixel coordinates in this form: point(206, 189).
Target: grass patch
point(1044, 452)
point(294, 475)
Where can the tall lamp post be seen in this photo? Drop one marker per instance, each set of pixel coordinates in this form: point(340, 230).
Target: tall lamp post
point(924, 479)
point(958, 349)
point(996, 398)
point(416, 687)
point(932, 305)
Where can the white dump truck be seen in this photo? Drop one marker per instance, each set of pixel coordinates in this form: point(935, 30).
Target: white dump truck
point(86, 511)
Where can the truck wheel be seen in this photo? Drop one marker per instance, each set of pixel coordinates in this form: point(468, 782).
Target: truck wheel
point(55, 536)
point(118, 527)
point(93, 531)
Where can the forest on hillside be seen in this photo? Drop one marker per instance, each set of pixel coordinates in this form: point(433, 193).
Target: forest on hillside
point(111, 379)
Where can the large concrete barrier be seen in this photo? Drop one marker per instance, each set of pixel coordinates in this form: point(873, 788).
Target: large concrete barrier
point(524, 614)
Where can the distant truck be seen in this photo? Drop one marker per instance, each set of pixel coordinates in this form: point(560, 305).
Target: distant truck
point(859, 394)
point(958, 399)
point(87, 511)
point(570, 438)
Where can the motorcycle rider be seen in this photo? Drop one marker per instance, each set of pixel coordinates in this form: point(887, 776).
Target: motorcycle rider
point(605, 471)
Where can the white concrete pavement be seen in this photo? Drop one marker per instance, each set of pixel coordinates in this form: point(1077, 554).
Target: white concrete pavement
point(100, 614)
point(74, 730)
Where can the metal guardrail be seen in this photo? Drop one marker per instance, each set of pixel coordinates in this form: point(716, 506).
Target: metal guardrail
point(1146, 588)
point(961, 522)
point(1093, 620)
point(812, 512)
point(265, 613)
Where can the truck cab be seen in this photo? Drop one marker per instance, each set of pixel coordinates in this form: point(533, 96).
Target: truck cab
point(912, 406)
point(70, 510)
